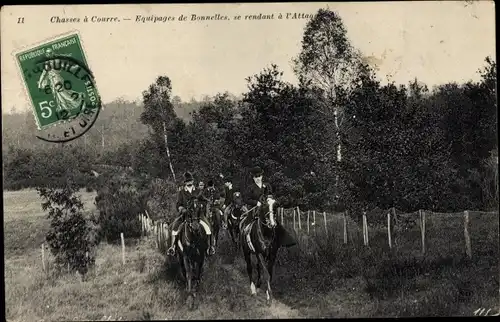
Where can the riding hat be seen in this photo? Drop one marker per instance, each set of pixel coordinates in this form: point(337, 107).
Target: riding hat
point(257, 171)
point(188, 177)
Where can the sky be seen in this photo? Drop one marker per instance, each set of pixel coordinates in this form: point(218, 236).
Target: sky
point(436, 42)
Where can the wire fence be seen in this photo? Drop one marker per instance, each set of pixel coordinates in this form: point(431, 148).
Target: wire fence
point(424, 231)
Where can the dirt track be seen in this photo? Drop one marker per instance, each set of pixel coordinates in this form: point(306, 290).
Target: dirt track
point(225, 282)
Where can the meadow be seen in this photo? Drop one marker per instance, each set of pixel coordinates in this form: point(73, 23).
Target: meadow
point(321, 277)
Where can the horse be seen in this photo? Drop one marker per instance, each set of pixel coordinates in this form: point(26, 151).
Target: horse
point(260, 238)
point(234, 217)
point(214, 216)
point(192, 247)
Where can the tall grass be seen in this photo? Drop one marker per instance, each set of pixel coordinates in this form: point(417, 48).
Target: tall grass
point(397, 282)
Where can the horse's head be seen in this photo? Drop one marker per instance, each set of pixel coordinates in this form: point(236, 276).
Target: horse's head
point(194, 209)
point(268, 210)
point(193, 215)
point(238, 200)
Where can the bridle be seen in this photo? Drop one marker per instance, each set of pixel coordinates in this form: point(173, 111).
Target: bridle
point(267, 222)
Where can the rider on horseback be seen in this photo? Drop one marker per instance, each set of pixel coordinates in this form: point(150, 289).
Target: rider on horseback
point(228, 200)
point(256, 194)
point(184, 198)
point(211, 195)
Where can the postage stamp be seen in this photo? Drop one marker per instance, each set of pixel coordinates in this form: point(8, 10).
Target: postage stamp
point(64, 98)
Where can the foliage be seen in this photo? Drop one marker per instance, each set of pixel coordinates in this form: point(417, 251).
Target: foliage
point(72, 237)
point(401, 145)
point(26, 168)
point(119, 201)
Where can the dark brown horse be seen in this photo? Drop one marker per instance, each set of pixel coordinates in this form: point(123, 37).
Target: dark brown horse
point(260, 239)
point(192, 247)
point(234, 217)
point(214, 216)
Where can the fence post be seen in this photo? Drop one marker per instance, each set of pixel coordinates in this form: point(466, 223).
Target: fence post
point(468, 247)
point(389, 229)
point(365, 229)
point(43, 257)
point(294, 229)
point(324, 218)
point(167, 234)
point(308, 212)
point(314, 220)
point(345, 227)
point(298, 214)
point(123, 248)
point(281, 213)
point(422, 228)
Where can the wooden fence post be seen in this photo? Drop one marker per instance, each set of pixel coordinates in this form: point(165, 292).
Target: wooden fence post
point(281, 213)
point(167, 234)
point(345, 227)
point(422, 228)
point(389, 238)
point(324, 218)
point(43, 257)
point(365, 230)
point(294, 229)
point(314, 220)
point(123, 248)
point(162, 236)
point(298, 214)
point(468, 248)
point(308, 212)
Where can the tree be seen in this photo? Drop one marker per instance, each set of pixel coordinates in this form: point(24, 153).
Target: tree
point(159, 112)
point(328, 61)
point(281, 131)
point(72, 237)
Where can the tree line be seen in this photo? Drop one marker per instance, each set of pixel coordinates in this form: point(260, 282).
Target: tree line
point(339, 139)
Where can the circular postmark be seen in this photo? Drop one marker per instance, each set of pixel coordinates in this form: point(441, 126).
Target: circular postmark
point(73, 100)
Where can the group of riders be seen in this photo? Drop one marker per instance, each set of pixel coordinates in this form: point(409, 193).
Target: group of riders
point(210, 195)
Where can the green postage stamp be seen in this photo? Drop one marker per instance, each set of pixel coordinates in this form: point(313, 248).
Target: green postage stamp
point(61, 88)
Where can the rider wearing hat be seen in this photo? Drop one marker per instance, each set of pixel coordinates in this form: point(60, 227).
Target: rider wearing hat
point(209, 195)
point(259, 190)
point(185, 196)
point(228, 199)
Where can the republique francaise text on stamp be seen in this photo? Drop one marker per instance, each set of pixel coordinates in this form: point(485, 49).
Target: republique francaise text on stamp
point(61, 87)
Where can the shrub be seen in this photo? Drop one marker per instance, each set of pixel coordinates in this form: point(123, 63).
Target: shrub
point(71, 237)
point(119, 203)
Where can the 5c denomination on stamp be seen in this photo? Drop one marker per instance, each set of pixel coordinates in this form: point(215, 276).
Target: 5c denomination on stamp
point(61, 87)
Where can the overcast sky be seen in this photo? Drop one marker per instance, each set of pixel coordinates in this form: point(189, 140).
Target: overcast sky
point(437, 42)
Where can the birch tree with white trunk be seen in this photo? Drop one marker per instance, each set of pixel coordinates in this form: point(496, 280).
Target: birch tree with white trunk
point(159, 112)
point(329, 62)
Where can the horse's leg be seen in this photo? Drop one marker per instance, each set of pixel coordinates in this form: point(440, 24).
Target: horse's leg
point(189, 273)
point(182, 268)
point(259, 277)
point(270, 263)
point(248, 260)
point(266, 277)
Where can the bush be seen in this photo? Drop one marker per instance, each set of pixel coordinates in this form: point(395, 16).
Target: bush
point(71, 237)
point(120, 202)
point(161, 204)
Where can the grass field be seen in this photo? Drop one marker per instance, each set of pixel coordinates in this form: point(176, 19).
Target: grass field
point(324, 279)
